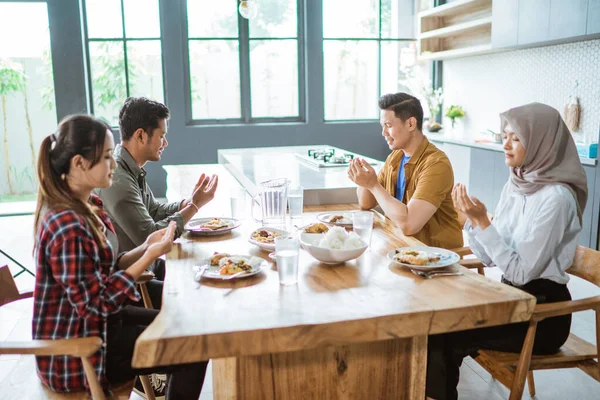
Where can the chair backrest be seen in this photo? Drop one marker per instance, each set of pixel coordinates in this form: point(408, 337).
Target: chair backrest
point(586, 265)
point(8, 287)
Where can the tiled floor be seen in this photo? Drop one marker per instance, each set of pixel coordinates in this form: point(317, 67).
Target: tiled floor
point(475, 384)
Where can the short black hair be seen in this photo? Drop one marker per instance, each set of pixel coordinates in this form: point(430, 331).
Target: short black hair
point(140, 112)
point(404, 106)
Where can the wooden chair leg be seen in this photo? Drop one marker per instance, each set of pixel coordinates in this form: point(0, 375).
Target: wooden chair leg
point(147, 387)
point(518, 386)
point(146, 296)
point(481, 271)
point(92, 378)
point(531, 383)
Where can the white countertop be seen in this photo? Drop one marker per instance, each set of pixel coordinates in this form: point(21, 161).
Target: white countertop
point(321, 185)
point(442, 138)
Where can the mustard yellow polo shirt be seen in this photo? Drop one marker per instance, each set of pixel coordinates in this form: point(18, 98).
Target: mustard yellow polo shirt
point(429, 177)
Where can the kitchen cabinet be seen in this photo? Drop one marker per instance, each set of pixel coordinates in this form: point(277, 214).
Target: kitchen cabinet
point(588, 223)
point(481, 177)
point(567, 18)
point(534, 21)
point(505, 23)
point(593, 17)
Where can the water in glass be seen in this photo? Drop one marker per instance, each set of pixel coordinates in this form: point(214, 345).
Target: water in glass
point(362, 224)
point(287, 266)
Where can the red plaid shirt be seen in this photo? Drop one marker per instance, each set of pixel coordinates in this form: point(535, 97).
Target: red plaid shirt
point(76, 288)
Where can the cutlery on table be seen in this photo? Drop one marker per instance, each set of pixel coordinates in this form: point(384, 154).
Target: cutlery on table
point(200, 272)
point(430, 275)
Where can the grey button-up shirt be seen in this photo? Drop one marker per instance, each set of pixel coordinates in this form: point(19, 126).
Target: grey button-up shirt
point(129, 202)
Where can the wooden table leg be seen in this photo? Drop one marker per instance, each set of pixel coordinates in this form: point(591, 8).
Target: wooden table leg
point(385, 369)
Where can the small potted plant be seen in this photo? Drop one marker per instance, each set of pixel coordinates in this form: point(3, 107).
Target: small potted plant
point(454, 113)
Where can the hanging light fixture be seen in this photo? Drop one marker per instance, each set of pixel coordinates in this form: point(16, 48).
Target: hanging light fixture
point(248, 8)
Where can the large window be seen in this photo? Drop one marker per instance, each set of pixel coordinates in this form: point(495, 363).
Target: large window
point(27, 101)
point(368, 50)
point(124, 53)
point(244, 70)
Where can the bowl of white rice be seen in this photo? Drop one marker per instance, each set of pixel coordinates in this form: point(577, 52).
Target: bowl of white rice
point(334, 247)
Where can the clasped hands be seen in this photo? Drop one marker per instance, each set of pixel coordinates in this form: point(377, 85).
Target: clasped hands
point(362, 173)
point(470, 207)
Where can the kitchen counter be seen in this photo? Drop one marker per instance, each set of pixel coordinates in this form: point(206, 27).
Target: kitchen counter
point(322, 185)
point(442, 138)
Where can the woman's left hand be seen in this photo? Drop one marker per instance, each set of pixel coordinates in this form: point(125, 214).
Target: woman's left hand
point(161, 241)
point(473, 209)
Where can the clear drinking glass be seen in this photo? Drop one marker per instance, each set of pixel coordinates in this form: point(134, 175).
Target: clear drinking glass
point(287, 249)
point(238, 202)
point(296, 201)
point(362, 224)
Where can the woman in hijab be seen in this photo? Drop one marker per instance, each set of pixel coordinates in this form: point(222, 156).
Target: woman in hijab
point(532, 238)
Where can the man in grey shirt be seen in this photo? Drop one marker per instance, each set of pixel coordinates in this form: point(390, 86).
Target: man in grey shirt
point(129, 201)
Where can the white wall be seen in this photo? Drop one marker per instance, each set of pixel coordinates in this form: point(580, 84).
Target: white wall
point(490, 84)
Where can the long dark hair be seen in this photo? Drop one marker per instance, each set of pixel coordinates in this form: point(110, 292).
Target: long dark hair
point(81, 135)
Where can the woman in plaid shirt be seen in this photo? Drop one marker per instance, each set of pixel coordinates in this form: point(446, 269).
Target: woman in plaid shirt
point(82, 287)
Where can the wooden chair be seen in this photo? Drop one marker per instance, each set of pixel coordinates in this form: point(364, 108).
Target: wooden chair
point(513, 369)
point(141, 282)
point(472, 263)
point(23, 380)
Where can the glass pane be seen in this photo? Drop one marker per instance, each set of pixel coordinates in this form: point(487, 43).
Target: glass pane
point(215, 79)
point(141, 18)
point(401, 72)
point(274, 78)
point(397, 19)
point(103, 18)
point(397, 58)
point(107, 63)
point(144, 65)
point(212, 18)
point(350, 79)
point(350, 19)
point(27, 110)
point(276, 18)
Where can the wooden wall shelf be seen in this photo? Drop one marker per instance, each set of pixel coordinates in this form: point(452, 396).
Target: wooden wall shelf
point(456, 29)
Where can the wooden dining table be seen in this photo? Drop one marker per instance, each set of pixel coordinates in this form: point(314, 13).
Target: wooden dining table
point(357, 330)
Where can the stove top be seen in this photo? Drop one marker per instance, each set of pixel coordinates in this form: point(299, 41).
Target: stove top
point(327, 157)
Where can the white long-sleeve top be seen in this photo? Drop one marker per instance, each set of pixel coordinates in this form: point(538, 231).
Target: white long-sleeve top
point(531, 237)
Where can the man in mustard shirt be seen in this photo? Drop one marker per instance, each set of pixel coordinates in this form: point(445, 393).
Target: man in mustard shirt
point(414, 186)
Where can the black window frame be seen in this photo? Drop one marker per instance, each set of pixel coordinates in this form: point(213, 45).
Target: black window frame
point(124, 40)
point(244, 39)
point(379, 41)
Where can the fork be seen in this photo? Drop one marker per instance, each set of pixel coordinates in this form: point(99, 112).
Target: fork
point(430, 275)
point(200, 272)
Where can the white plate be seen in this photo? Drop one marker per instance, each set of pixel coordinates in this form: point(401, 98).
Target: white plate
point(267, 246)
point(447, 257)
point(193, 227)
point(212, 272)
point(347, 221)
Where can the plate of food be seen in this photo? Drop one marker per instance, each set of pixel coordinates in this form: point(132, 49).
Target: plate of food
point(265, 237)
point(223, 265)
point(336, 218)
point(211, 226)
point(423, 257)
